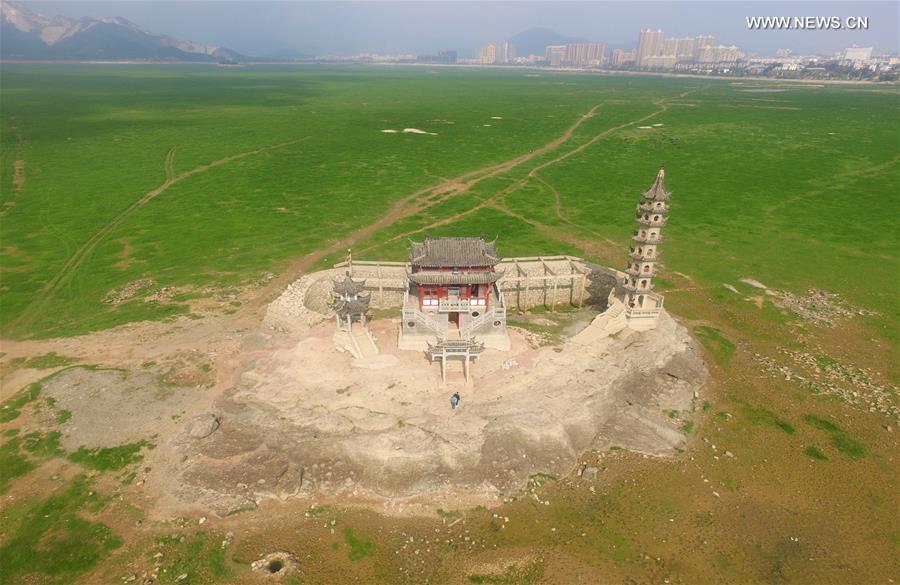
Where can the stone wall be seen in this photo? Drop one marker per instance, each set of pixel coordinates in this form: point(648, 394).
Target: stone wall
point(307, 299)
point(387, 282)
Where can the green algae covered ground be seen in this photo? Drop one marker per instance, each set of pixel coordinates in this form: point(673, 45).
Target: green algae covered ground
point(196, 179)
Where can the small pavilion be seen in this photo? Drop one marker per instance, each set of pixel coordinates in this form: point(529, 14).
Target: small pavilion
point(349, 302)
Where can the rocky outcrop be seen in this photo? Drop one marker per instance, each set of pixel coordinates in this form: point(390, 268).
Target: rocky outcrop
point(303, 421)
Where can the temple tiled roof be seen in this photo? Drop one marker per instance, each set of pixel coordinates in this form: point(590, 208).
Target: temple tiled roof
point(454, 277)
point(453, 251)
point(349, 287)
point(658, 189)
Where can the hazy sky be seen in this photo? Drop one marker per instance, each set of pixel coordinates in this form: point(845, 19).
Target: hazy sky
point(261, 27)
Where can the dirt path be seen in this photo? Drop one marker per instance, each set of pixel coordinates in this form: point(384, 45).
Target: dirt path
point(534, 174)
point(19, 174)
point(859, 172)
point(19, 164)
point(80, 255)
point(408, 206)
point(217, 333)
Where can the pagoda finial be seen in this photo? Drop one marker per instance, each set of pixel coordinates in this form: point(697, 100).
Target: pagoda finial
point(658, 189)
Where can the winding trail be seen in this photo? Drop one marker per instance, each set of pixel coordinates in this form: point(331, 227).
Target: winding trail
point(495, 200)
point(413, 204)
point(77, 259)
point(407, 206)
point(851, 174)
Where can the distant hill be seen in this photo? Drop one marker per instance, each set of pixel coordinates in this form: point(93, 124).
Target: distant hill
point(535, 40)
point(29, 35)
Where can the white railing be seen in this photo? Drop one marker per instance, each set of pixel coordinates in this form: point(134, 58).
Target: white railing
point(346, 264)
point(615, 310)
point(495, 314)
point(451, 305)
point(419, 318)
point(476, 323)
point(632, 312)
point(356, 350)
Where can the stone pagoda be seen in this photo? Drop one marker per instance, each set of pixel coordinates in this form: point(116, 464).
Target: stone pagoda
point(641, 304)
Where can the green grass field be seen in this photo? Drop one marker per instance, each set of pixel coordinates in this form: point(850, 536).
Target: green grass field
point(795, 188)
point(206, 179)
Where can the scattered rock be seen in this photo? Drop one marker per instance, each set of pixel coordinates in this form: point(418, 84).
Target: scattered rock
point(589, 473)
point(202, 425)
point(127, 292)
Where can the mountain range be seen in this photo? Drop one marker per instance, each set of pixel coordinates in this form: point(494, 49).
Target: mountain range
point(27, 35)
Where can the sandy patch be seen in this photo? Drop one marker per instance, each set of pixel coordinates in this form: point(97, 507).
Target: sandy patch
point(496, 117)
point(124, 257)
point(646, 127)
point(754, 283)
point(657, 125)
point(486, 125)
point(418, 131)
point(389, 131)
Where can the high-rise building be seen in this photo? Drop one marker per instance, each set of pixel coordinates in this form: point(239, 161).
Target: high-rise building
point(685, 50)
point(487, 54)
point(621, 58)
point(719, 54)
point(494, 53)
point(649, 45)
point(505, 52)
point(855, 53)
point(555, 55)
point(584, 54)
point(705, 41)
point(448, 57)
point(660, 62)
point(702, 42)
point(669, 47)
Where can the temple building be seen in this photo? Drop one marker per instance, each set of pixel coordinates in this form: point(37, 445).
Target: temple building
point(453, 293)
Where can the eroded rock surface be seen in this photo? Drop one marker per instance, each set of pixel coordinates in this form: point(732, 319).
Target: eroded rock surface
point(301, 420)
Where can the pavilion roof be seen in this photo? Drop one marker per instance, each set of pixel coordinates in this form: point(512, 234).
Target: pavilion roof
point(658, 189)
point(453, 251)
point(348, 287)
point(357, 306)
point(459, 347)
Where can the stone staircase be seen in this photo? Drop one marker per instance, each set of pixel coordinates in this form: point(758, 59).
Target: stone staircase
point(484, 320)
point(363, 342)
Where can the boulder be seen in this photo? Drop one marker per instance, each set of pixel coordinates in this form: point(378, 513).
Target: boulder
point(202, 425)
point(589, 473)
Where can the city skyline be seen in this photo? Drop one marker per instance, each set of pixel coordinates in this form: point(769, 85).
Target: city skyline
point(261, 28)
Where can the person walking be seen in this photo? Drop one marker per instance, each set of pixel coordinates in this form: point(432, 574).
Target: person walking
point(454, 400)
